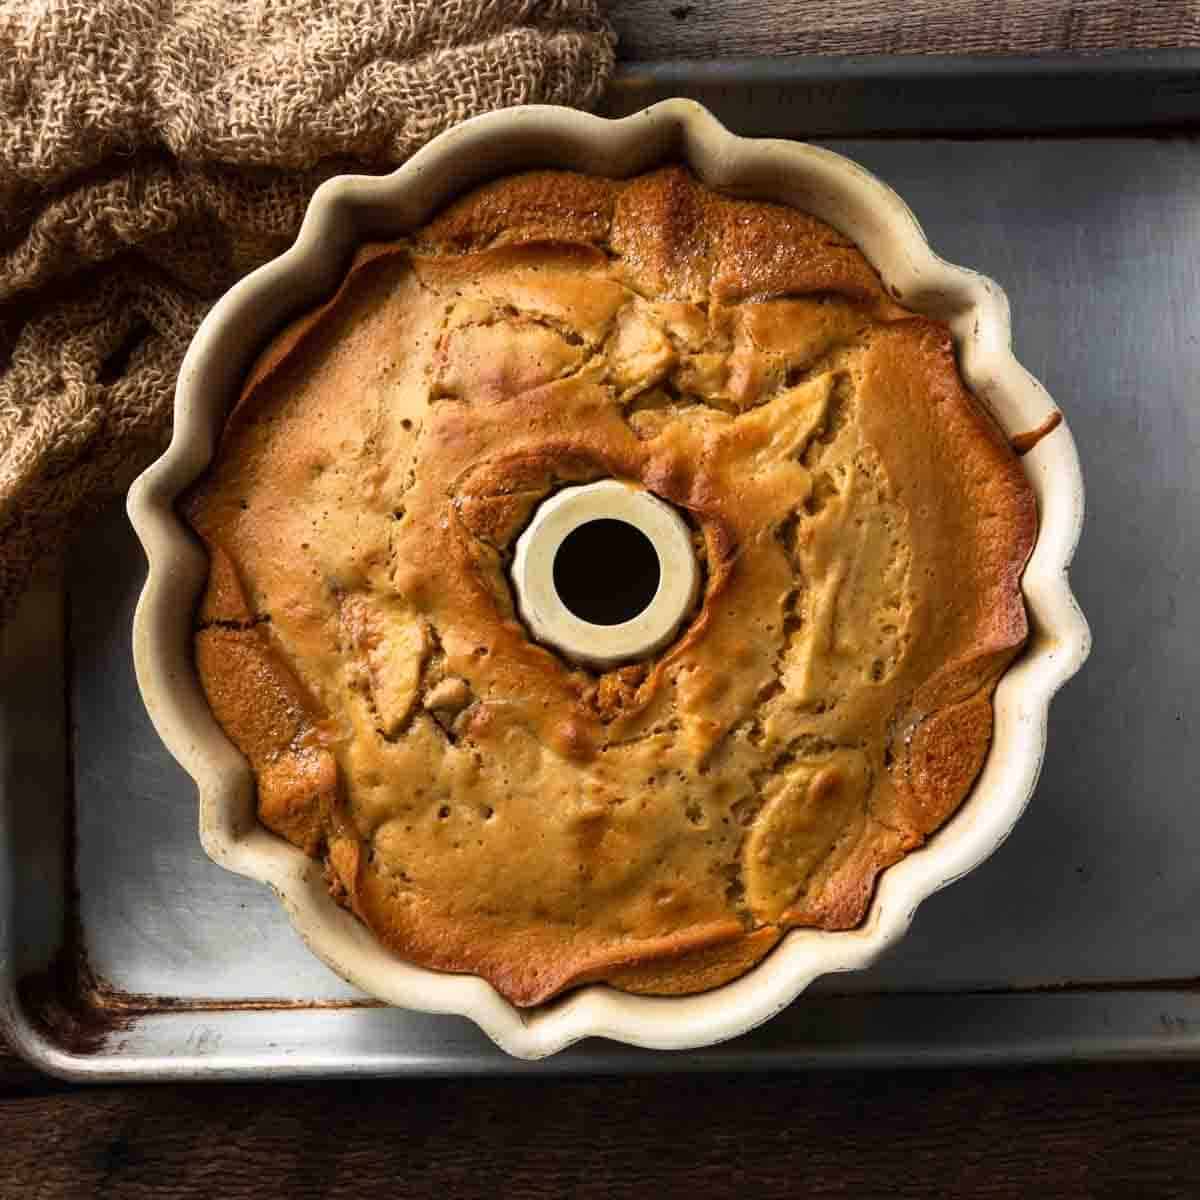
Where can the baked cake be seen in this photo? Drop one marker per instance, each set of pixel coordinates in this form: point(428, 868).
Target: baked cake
point(486, 806)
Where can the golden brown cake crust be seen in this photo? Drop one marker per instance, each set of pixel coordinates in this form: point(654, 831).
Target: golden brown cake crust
point(485, 806)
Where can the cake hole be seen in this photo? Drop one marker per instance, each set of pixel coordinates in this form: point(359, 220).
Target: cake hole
point(606, 571)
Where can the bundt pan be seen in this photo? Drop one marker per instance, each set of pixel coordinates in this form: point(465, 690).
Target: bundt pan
point(349, 210)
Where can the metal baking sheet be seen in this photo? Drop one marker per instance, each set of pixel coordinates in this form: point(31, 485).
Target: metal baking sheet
point(928, 94)
point(1076, 940)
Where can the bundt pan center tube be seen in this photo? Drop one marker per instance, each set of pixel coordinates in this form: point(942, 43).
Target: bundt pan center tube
point(634, 557)
point(678, 545)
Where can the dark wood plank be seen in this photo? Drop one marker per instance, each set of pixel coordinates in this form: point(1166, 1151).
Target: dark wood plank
point(17, 1077)
point(1082, 1131)
point(656, 29)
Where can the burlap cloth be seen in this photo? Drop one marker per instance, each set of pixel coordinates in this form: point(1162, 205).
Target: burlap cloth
point(153, 151)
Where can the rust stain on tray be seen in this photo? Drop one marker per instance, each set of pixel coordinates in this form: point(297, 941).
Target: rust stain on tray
point(79, 1011)
point(59, 1001)
point(76, 1009)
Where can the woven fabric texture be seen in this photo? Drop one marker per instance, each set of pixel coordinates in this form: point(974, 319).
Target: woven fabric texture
point(154, 151)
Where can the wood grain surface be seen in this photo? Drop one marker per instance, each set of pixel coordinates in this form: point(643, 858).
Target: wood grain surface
point(1119, 1131)
point(658, 29)
point(1070, 1132)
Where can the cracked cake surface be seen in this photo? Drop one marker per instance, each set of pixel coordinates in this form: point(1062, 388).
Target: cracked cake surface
point(485, 806)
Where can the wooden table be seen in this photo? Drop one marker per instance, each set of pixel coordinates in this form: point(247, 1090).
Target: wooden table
point(1072, 1131)
point(1076, 1131)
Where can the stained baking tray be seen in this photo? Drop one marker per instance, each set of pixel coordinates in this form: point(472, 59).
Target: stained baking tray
point(125, 953)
